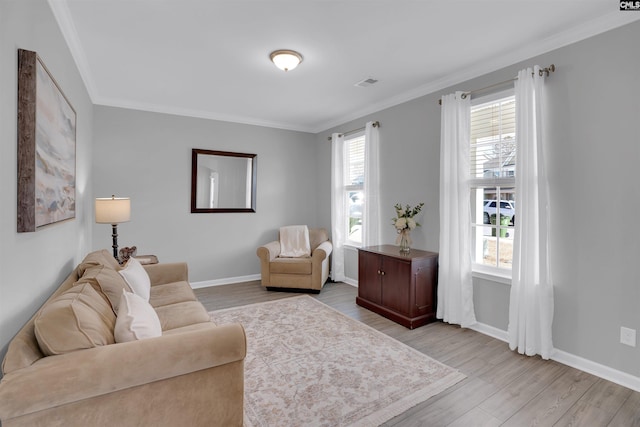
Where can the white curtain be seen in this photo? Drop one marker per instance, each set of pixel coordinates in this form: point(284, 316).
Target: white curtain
point(531, 303)
point(455, 287)
point(371, 214)
point(338, 208)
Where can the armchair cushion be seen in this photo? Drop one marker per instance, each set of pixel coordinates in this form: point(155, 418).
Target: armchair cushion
point(291, 265)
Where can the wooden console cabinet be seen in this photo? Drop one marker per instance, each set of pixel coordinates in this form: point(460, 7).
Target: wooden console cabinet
point(400, 287)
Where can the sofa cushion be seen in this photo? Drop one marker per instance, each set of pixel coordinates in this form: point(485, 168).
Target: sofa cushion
point(136, 319)
point(171, 293)
point(108, 281)
point(101, 257)
point(291, 266)
point(76, 319)
point(182, 314)
point(190, 328)
point(137, 278)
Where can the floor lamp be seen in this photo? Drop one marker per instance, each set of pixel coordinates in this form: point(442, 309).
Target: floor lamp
point(113, 211)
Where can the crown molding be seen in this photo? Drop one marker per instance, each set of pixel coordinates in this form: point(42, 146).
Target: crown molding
point(577, 33)
point(199, 114)
point(62, 14)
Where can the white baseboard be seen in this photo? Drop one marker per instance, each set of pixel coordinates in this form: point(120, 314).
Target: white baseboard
point(493, 332)
point(241, 279)
point(351, 282)
point(227, 281)
point(602, 371)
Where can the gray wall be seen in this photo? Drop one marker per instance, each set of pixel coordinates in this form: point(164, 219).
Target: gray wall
point(592, 114)
point(594, 148)
point(32, 265)
point(147, 156)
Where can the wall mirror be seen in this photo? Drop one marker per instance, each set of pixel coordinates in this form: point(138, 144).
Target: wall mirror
point(222, 181)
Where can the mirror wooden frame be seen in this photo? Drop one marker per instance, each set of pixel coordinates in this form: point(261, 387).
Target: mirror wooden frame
point(195, 155)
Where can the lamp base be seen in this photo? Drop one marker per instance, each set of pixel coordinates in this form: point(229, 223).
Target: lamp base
point(114, 235)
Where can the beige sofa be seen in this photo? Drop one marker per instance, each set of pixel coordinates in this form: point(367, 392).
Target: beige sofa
point(296, 274)
point(191, 375)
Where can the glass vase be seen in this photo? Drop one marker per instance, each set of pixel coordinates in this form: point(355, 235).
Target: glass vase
point(405, 241)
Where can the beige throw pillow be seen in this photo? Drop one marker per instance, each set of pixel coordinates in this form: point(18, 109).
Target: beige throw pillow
point(136, 319)
point(109, 281)
point(101, 257)
point(137, 278)
point(76, 319)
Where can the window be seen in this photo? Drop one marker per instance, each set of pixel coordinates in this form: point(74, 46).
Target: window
point(493, 171)
point(354, 187)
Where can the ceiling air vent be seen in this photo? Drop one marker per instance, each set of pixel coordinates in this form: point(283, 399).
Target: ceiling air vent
point(366, 82)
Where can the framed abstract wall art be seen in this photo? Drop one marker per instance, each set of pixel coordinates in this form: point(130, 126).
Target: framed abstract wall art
point(46, 147)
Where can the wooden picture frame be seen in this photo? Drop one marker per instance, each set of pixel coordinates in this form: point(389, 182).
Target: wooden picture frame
point(223, 181)
point(46, 147)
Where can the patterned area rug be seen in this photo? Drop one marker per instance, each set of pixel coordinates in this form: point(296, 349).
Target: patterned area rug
point(310, 365)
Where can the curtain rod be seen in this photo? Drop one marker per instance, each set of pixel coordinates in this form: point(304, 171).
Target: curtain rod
point(374, 124)
point(550, 69)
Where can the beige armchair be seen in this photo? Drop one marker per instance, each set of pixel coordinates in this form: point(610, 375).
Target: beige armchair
point(296, 274)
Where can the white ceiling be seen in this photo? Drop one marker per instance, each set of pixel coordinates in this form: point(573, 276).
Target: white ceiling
point(210, 58)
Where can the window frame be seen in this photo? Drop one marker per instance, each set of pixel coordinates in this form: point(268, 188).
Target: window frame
point(349, 187)
point(485, 271)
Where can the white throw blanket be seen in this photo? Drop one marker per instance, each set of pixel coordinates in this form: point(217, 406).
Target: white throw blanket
point(294, 241)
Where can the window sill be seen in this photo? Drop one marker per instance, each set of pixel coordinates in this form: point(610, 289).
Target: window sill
point(351, 246)
point(492, 274)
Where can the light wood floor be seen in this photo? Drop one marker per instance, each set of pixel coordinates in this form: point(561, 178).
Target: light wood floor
point(502, 388)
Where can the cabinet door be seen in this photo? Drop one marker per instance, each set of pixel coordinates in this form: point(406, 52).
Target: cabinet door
point(396, 283)
point(426, 278)
point(369, 276)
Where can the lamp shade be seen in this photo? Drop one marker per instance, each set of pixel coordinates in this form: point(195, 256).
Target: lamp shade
point(113, 210)
point(286, 59)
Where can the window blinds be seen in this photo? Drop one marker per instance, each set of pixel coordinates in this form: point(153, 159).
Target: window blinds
point(493, 143)
point(355, 161)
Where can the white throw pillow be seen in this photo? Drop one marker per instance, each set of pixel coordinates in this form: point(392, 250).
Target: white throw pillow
point(136, 319)
point(137, 278)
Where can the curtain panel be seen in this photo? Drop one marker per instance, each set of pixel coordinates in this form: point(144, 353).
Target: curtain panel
point(531, 300)
point(455, 286)
point(371, 214)
point(338, 207)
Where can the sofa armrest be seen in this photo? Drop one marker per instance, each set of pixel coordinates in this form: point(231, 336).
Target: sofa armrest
point(82, 374)
point(322, 251)
point(269, 252)
point(159, 274)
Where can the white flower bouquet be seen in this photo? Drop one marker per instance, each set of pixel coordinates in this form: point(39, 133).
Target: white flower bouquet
point(404, 223)
point(404, 217)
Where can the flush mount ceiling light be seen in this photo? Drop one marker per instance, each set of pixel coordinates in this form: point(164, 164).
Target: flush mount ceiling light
point(286, 59)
